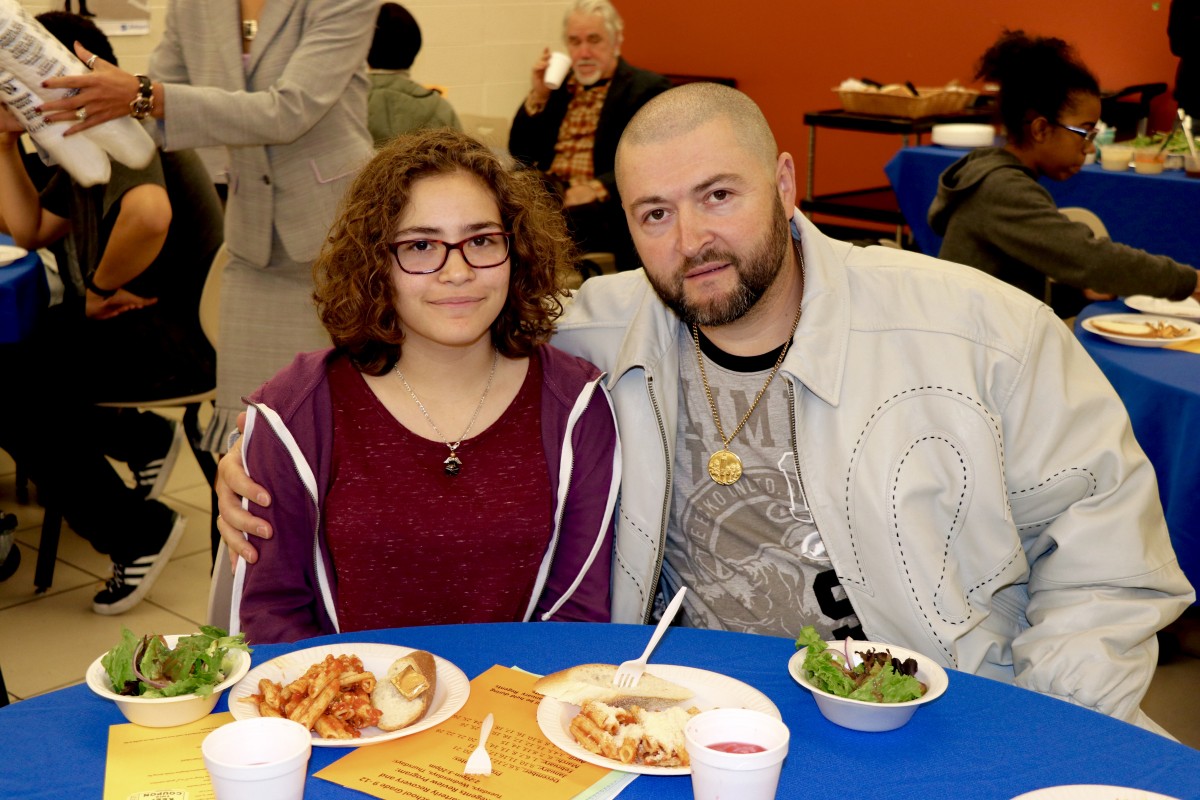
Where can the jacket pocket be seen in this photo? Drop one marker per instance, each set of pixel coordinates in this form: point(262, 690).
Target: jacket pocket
point(336, 166)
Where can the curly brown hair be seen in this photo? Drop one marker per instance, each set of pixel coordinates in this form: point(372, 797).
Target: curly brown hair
point(355, 293)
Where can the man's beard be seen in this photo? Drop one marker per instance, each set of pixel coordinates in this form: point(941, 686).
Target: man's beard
point(595, 75)
point(756, 272)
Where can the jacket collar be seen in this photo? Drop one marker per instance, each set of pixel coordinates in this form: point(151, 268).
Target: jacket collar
point(818, 353)
point(817, 357)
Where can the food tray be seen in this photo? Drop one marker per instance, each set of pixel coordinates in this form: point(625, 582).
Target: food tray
point(932, 102)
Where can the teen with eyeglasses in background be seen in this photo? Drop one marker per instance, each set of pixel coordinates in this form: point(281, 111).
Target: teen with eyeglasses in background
point(444, 461)
point(993, 213)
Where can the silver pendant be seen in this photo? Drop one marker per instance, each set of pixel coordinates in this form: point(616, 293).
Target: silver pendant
point(452, 465)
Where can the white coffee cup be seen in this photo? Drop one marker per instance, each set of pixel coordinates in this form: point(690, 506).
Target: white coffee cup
point(557, 69)
point(746, 776)
point(252, 759)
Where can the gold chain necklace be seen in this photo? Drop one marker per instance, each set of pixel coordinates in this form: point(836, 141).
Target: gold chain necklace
point(453, 464)
point(724, 467)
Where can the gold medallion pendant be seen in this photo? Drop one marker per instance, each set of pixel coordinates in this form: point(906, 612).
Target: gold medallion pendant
point(724, 467)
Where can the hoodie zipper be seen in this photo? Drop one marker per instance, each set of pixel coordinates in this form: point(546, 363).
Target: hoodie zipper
point(666, 508)
point(316, 537)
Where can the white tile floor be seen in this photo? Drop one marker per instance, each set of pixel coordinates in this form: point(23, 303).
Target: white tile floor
point(48, 640)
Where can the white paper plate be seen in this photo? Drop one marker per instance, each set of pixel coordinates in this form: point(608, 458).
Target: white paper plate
point(449, 695)
point(1091, 792)
point(1188, 309)
point(1193, 329)
point(712, 690)
point(10, 253)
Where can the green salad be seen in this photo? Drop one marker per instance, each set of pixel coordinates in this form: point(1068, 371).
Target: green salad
point(1177, 144)
point(879, 678)
point(147, 667)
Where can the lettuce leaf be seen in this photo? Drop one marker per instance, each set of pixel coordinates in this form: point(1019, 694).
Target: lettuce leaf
point(875, 680)
point(197, 663)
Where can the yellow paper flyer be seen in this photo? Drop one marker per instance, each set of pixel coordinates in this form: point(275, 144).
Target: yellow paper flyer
point(159, 763)
point(429, 764)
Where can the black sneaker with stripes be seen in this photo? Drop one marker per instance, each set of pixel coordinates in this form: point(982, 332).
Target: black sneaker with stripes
point(131, 582)
point(152, 476)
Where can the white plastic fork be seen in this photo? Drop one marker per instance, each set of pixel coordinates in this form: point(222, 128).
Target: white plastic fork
point(630, 673)
point(480, 763)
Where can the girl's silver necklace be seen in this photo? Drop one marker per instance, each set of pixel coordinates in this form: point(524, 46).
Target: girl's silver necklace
point(453, 464)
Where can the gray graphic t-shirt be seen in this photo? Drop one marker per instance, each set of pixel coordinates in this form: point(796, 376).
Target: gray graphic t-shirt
point(749, 553)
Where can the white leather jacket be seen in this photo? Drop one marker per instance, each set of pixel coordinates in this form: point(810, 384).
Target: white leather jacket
point(972, 473)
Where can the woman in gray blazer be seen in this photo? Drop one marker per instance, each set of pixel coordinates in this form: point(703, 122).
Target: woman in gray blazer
point(284, 89)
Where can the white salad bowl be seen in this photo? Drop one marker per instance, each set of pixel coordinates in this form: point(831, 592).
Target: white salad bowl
point(167, 712)
point(861, 715)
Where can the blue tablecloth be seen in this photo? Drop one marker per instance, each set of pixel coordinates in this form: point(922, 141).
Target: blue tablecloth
point(982, 739)
point(1158, 213)
point(23, 294)
point(1161, 391)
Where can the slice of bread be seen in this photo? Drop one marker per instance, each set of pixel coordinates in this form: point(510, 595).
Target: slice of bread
point(586, 682)
point(405, 693)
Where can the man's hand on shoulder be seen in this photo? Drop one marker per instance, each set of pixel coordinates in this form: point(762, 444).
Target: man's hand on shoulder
point(232, 485)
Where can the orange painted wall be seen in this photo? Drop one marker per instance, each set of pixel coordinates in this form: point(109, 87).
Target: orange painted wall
point(788, 55)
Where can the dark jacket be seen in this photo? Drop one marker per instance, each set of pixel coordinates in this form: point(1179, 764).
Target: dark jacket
point(531, 139)
point(1183, 29)
point(996, 217)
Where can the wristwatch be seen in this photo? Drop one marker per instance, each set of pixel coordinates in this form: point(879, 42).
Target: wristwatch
point(96, 290)
point(142, 105)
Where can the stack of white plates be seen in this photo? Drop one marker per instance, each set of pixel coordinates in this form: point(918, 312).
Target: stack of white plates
point(963, 134)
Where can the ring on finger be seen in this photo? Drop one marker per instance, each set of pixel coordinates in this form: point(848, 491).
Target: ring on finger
point(91, 61)
point(81, 114)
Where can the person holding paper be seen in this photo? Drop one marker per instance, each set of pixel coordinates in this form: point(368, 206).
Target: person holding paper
point(283, 87)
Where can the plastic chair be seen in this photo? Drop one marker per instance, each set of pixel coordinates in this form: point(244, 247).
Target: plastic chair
point(210, 303)
point(220, 590)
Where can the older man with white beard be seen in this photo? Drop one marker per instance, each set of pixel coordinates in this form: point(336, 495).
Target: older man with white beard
point(570, 133)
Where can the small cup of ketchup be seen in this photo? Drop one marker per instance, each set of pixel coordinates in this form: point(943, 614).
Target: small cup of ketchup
point(735, 752)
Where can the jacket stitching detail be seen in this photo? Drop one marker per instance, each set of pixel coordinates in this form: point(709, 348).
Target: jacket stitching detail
point(999, 439)
point(1091, 477)
point(950, 528)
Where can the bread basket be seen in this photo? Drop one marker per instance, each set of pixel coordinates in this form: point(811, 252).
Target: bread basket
point(932, 101)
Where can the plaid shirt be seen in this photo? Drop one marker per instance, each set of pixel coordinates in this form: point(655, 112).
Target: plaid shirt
point(577, 137)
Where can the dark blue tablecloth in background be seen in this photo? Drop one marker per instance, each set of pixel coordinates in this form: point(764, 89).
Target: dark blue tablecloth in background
point(981, 740)
point(23, 294)
point(1161, 391)
point(1158, 213)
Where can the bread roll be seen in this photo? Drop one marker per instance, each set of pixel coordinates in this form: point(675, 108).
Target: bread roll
point(586, 682)
point(405, 693)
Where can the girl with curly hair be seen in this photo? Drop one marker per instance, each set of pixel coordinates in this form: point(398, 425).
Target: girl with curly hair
point(441, 463)
point(994, 214)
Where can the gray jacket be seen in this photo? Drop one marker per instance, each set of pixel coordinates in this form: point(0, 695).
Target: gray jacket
point(294, 119)
point(968, 513)
point(996, 217)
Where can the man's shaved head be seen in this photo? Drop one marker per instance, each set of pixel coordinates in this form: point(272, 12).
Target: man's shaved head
point(687, 107)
